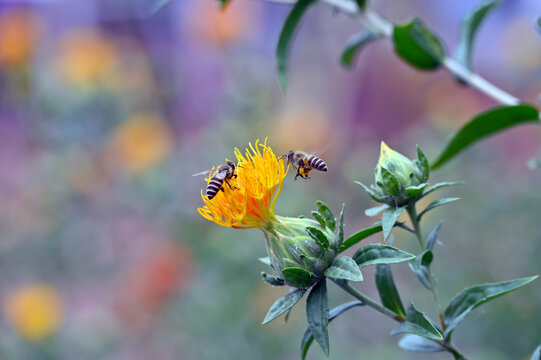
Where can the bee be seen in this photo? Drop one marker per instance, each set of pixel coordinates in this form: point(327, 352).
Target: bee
point(220, 175)
point(304, 163)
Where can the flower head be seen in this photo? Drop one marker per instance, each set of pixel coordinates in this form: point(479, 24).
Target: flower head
point(249, 200)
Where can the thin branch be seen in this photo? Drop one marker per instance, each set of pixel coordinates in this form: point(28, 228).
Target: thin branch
point(377, 23)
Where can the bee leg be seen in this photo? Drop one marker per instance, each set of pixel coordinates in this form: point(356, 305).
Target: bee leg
point(298, 174)
point(230, 186)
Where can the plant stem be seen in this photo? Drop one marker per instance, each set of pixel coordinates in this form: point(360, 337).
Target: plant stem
point(384, 27)
point(389, 313)
point(412, 212)
point(368, 301)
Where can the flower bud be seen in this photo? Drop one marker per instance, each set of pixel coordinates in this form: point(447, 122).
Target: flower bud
point(399, 179)
point(300, 249)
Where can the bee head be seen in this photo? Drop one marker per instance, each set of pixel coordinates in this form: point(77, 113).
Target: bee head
point(231, 164)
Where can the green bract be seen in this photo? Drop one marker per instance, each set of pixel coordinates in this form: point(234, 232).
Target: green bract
point(300, 249)
point(398, 179)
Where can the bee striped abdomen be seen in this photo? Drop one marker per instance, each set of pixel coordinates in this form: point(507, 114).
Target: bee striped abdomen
point(213, 187)
point(317, 163)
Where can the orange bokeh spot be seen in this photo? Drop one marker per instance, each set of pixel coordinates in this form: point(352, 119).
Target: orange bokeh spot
point(19, 34)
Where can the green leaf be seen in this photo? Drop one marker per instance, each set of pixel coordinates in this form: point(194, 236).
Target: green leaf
point(389, 219)
point(370, 192)
point(434, 204)
point(265, 260)
point(380, 254)
point(417, 323)
point(355, 44)
point(341, 227)
point(418, 46)
point(468, 31)
point(387, 289)
point(441, 185)
point(317, 314)
point(361, 235)
point(344, 268)
point(422, 163)
point(476, 295)
point(286, 38)
point(417, 343)
point(536, 354)
point(420, 267)
point(298, 277)
point(273, 280)
point(413, 191)
point(319, 237)
point(283, 304)
point(307, 339)
point(319, 218)
point(433, 236)
point(375, 210)
point(390, 182)
point(327, 214)
point(483, 125)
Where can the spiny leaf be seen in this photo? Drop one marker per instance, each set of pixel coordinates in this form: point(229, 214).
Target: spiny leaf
point(283, 304)
point(420, 267)
point(380, 254)
point(341, 227)
point(484, 125)
point(375, 210)
point(317, 314)
point(327, 215)
point(441, 185)
point(319, 218)
point(273, 280)
point(417, 323)
point(476, 295)
point(286, 38)
point(389, 219)
point(468, 31)
point(298, 277)
point(344, 268)
point(417, 343)
point(387, 289)
point(422, 163)
point(433, 236)
point(319, 237)
point(308, 338)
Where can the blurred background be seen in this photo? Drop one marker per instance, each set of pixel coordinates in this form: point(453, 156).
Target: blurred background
point(106, 110)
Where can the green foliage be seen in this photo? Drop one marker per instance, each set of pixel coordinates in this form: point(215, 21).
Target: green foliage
point(286, 38)
point(319, 237)
point(371, 192)
point(273, 280)
point(355, 44)
point(317, 314)
point(380, 254)
point(390, 182)
point(418, 46)
point(387, 289)
point(468, 31)
point(420, 267)
point(476, 295)
point(361, 4)
point(434, 204)
point(298, 277)
point(375, 210)
point(418, 323)
point(327, 215)
point(319, 218)
point(283, 304)
point(441, 185)
point(483, 125)
point(422, 163)
point(389, 218)
point(417, 343)
point(224, 3)
point(414, 191)
point(344, 268)
point(433, 236)
point(360, 235)
point(308, 338)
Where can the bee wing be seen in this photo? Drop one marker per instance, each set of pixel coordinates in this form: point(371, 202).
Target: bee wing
point(221, 174)
point(202, 173)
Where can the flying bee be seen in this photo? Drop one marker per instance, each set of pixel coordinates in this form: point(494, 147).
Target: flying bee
point(220, 175)
point(304, 163)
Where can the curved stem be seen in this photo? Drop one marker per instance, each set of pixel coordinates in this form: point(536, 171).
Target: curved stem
point(384, 27)
point(412, 212)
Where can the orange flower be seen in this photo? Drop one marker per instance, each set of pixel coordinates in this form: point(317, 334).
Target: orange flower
point(249, 202)
point(34, 311)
